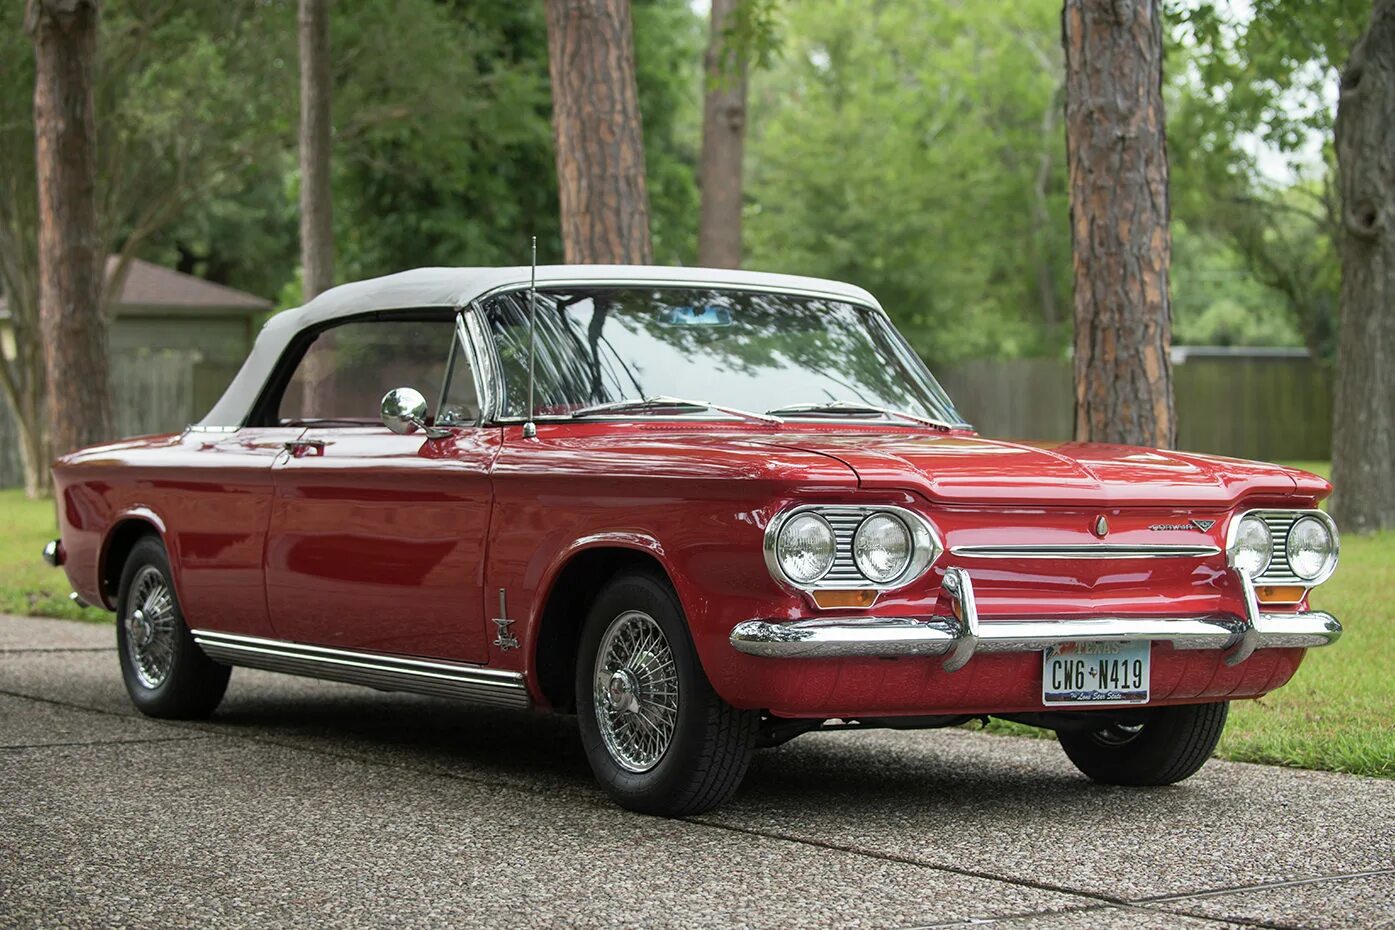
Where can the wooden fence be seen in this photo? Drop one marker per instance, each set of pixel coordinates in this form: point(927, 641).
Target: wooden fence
point(1268, 408)
point(152, 392)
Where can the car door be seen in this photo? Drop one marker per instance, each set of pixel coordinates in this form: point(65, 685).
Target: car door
point(216, 506)
point(376, 541)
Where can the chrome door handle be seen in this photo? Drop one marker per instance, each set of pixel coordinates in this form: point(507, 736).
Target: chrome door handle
point(300, 446)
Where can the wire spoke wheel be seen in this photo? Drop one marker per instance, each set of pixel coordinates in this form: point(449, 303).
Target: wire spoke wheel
point(151, 627)
point(636, 691)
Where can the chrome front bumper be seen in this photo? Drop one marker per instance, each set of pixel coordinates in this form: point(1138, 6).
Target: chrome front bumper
point(960, 637)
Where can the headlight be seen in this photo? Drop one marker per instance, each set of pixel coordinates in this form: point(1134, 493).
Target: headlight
point(1312, 548)
point(1252, 546)
point(805, 548)
point(882, 547)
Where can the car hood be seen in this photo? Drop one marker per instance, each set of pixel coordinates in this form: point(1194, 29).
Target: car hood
point(966, 469)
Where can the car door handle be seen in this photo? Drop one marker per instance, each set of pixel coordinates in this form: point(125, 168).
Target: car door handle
point(299, 447)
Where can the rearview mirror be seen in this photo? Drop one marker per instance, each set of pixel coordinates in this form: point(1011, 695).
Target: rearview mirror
point(404, 410)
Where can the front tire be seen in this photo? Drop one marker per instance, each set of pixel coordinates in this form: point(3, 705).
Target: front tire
point(1168, 745)
point(166, 673)
point(659, 739)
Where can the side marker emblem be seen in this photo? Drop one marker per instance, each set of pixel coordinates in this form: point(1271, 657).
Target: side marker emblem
point(505, 640)
point(1101, 526)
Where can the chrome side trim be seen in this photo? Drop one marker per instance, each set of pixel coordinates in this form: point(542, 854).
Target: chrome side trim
point(384, 672)
point(1089, 551)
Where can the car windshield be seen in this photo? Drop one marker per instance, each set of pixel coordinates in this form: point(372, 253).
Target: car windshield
point(746, 350)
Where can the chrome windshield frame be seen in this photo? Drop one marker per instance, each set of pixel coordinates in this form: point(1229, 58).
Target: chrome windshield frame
point(488, 345)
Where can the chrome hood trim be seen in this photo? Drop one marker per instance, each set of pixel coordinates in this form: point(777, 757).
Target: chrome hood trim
point(1089, 551)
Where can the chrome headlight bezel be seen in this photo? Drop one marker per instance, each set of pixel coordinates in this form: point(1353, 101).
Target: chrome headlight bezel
point(1280, 522)
point(926, 546)
point(1232, 542)
point(1329, 564)
point(780, 547)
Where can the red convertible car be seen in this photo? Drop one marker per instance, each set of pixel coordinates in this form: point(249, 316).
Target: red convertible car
point(705, 511)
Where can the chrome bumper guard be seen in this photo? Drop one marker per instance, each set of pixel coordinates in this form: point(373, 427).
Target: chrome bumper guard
point(962, 636)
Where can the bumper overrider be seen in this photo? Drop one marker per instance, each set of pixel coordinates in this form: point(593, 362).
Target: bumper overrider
point(958, 638)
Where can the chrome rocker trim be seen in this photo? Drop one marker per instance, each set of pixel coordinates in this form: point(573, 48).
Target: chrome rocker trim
point(386, 673)
point(963, 635)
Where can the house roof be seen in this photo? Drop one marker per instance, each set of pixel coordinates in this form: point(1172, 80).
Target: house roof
point(456, 287)
point(154, 290)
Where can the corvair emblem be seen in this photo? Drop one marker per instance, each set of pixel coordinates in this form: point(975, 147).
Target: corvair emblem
point(1199, 525)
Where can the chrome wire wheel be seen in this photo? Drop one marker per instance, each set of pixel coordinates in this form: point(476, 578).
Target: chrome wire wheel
point(151, 627)
point(636, 691)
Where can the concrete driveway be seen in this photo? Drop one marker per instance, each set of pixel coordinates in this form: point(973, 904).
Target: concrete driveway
point(318, 804)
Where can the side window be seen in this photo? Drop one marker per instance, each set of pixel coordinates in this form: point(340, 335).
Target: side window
point(460, 403)
point(345, 372)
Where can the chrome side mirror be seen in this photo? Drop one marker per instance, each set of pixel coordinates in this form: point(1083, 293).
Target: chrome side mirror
point(404, 410)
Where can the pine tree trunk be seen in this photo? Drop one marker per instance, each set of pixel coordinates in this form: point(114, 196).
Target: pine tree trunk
point(596, 126)
point(316, 216)
point(1363, 423)
point(70, 252)
point(1116, 155)
point(723, 141)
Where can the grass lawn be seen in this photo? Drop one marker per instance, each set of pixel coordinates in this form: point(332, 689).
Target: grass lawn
point(1337, 714)
point(27, 584)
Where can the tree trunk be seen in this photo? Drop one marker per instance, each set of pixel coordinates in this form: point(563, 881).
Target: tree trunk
point(596, 127)
point(1363, 423)
point(70, 253)
point(316, 215)
point(1116, 155)
point(723, 140)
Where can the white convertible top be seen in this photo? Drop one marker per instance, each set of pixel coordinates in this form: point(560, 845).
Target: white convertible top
point(455, 287)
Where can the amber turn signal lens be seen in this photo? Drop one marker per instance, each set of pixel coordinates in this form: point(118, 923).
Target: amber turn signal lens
point(831, 599)
point(1279, 594)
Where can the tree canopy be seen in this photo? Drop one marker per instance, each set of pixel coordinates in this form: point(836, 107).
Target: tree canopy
point(915, 149)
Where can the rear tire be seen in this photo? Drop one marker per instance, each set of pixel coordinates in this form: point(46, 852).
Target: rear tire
point(655, 748)
point(1169, 745)
point(166, 673)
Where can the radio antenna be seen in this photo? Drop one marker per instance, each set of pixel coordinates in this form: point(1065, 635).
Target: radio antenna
point(530, 429)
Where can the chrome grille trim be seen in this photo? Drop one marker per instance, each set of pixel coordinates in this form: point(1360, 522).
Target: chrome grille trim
point(385, 672)
point(1088, 551)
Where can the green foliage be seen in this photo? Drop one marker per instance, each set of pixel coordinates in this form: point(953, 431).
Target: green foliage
point(1268, 79)
point(1217, 301)
point(443, 150)
point(898, 145)
point(752, 34)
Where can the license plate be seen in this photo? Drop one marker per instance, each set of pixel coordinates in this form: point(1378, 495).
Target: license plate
point(1095, 673)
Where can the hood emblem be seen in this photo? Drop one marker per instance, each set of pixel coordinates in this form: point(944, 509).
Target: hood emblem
point(1101, 526)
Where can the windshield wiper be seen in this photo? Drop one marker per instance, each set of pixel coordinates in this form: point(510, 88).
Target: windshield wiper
point(848, 407)
point(660, 401)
